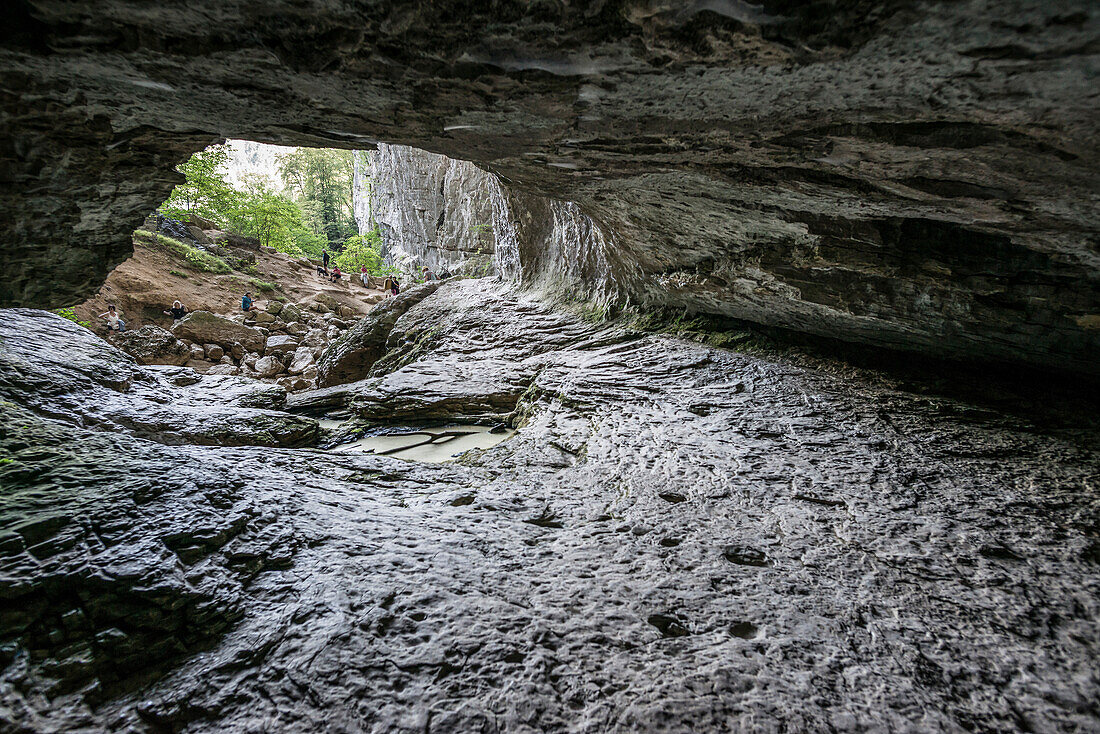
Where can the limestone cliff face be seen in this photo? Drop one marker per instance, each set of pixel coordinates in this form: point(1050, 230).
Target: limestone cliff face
point(432, 210)
point(913, 175)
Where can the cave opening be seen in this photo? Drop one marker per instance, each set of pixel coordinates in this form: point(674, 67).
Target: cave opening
point(784, 320)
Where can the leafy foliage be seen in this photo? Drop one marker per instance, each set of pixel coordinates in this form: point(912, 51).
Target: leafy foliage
point(196, 259)
point(360, 250)
point(321, 181)
point(205, 191)
point(317, 214)
point(71, 316)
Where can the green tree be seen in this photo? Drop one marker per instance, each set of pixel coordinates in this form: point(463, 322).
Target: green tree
point(205, 191)
point(320, 180)
point(267, 216)
point(360, 250)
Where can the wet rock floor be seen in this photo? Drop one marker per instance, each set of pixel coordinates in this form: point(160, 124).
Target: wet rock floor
point(680, 538)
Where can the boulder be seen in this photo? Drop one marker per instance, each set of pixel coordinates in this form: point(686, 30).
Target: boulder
point(153, 345)
point(281, 344)
point(365, 343)
point(236, 351)
point(268, 366)
point(201, 222)
point(197, 352)
point(297, 328)
point(291, 312)
point(262, 317)
point(247, 243)
point(204, 327)
point(345, 311)
point(200, 236)
point(303, 360)
point(213, 352)
point(223, 369)
point(274, 307)
point(326, 302)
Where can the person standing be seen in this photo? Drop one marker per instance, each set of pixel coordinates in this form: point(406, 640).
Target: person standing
point(114, 320)
point(364, 275)
point(428, 274)
point(324, 260)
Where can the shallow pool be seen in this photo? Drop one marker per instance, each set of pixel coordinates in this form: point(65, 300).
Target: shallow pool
point(434, 444)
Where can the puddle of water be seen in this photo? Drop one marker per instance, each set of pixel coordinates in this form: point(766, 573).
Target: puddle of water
point(443, 449)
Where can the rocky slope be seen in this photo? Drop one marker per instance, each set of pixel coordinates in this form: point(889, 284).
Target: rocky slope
point(903, 174)
point(679, 537)
point(299, 314)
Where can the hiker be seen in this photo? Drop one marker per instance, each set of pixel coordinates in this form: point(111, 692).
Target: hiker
point(395, 287)
point(336, 273)
point(246, 303)
point(428, 274)
point(114, 320)
point(177, 311)
point(365, 276)
point(387, 285)
point(324, 260)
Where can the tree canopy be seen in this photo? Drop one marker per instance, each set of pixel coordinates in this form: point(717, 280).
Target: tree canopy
point(315, 213)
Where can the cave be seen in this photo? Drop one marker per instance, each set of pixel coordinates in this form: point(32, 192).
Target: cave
point(785, 315)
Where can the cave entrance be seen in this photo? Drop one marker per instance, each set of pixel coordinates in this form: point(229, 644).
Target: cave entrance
point(273, 224)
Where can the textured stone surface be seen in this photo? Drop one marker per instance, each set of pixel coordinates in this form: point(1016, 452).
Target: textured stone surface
point(153, 345)
point(679, 538)
point(431, 210)
point(207, 328)
point(364, 344)
point(83, 380)
point(915, 175)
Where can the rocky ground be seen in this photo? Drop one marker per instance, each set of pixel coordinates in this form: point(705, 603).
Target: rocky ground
point(298, 311)
point(679, 537)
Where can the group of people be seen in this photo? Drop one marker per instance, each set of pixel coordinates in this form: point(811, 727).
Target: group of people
point(115, 321)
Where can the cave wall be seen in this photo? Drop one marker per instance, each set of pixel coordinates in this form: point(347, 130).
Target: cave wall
point(913, 175)
point(431, 210)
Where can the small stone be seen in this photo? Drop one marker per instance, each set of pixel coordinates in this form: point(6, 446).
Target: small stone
point(268, 366)
point(213, 352)
point(303, 359)
point(281, 344)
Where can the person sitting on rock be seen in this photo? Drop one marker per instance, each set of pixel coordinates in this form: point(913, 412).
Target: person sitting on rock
point(428, 274)
point(246, 303)
point(336, 273)
point(177, 311)
point(114, 320)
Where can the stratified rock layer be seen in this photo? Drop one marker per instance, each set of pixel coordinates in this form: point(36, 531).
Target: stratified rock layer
point(432, 211)
point(908, 175)
point(679, 538)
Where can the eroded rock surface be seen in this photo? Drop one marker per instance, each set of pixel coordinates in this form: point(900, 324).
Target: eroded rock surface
point(680, 537)
point(81, 379)
point(356, 351)
point(432, 210)
point(912, 175)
